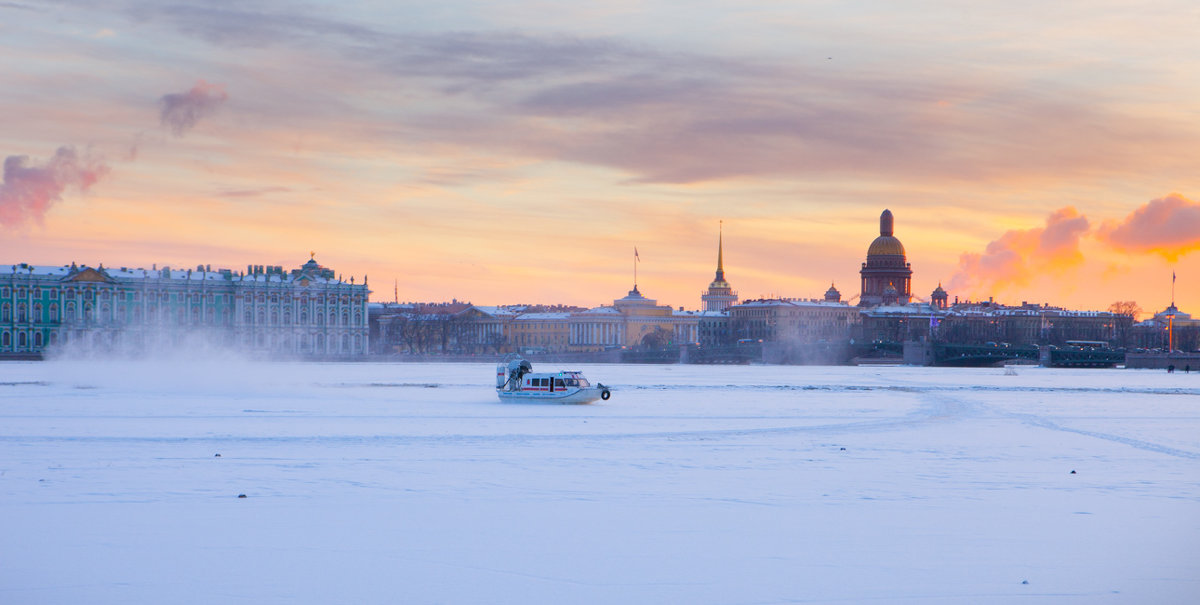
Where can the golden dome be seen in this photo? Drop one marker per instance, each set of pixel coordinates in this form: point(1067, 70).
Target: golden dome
point(886, 244)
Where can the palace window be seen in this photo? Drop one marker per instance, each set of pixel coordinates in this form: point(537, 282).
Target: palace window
point(4, 292)
point(6, 340)
point(22, 315)
point(37, 340)
point(22, 340)
point(54, 294)
point(6, 312)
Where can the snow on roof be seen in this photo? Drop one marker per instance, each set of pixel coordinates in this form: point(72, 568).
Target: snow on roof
point(601, 311)
point(39, 270)
point(536, 316)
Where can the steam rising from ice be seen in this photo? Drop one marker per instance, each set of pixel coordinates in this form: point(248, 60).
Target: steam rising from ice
point(181, 111)
point(28, 190)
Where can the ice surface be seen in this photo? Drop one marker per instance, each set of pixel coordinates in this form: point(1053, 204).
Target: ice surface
point(412, 483)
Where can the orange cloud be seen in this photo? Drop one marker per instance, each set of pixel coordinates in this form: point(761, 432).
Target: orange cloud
point(1021, 254)
point(1169, 226)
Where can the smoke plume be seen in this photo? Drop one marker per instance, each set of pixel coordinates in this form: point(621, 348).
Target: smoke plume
point(181, 111)
point(1020, 254)
point(28, 190)
point(1169, 226)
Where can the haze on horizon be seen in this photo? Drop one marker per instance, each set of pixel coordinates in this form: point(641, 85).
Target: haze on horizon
point(518, 152)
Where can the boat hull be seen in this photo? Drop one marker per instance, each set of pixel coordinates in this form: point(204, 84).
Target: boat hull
point(576, 396)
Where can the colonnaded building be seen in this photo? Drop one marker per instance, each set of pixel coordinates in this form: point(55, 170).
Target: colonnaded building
point(307, 312)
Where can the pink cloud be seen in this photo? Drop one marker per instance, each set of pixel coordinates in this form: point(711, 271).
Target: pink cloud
point(28, 191)
point(1169, 226)
point(181, 111)
point(1021, 254)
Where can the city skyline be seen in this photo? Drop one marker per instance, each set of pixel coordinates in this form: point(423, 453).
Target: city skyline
point(501, 154)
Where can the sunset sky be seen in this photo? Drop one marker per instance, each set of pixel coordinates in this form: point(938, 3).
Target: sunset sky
point(509, 152)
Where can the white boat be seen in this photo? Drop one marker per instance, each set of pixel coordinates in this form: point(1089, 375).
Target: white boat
point(517, 382)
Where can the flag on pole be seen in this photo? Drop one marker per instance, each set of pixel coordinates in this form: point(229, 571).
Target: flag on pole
point(635, 254)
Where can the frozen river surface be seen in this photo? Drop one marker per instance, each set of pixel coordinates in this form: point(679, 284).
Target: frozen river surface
point(377, 483)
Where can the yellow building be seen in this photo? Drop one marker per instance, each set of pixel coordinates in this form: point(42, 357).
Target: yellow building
point(632, 321)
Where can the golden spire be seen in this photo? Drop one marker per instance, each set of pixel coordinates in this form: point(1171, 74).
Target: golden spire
point(721, 251)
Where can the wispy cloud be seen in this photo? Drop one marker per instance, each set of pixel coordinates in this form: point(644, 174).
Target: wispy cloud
point(1022, 254)
point(662, 115)
point(180, 111)
point(28, 190)
point(258, 191)
point(1169, 226)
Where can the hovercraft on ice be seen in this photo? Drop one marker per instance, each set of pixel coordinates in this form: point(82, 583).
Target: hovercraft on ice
point(517, 382)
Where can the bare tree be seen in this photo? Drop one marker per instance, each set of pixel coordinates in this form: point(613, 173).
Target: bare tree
point(1125, 307)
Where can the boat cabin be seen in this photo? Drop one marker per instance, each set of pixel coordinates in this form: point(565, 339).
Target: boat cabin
point(559, 381)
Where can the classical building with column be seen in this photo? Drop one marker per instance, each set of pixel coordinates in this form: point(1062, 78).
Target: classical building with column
point(632, 321)
point(887, 275)
point(305, 312)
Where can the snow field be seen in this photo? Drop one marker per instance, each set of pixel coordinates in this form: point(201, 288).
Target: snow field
point(384, 483)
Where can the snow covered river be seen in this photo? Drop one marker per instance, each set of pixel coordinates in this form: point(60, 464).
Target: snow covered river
point(411, 483)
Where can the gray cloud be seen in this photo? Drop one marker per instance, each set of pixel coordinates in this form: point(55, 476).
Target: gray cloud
point(179, 112)
point(687, 116)
point(28, 190)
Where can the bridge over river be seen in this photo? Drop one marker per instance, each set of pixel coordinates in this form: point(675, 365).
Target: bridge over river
point(960, 355)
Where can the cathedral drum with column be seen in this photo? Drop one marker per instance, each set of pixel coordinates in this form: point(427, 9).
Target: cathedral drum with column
point(886, 276)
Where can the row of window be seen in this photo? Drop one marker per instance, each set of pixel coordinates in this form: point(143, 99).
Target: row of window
point(195, 297)
point(23, 339)
point(22, 315)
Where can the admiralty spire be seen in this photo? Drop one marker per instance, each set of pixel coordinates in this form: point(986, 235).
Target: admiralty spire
point(720, 294)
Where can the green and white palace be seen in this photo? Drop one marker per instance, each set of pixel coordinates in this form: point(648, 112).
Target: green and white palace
point(305, 312)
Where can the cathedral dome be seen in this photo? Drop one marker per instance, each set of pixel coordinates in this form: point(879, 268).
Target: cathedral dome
point(886, 243)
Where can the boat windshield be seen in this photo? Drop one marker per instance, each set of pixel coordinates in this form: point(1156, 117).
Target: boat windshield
point(578, 382)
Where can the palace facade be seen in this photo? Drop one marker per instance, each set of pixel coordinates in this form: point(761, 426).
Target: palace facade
point(305, 312)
